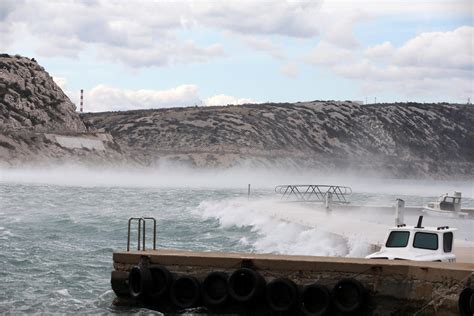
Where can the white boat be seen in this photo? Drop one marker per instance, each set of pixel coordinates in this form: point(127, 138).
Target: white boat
point(446, 205)
point(418, 243)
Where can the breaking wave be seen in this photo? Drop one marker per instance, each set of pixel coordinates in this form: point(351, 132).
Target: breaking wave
point(274, 235)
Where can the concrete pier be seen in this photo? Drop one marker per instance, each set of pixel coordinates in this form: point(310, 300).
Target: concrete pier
point(394, 287)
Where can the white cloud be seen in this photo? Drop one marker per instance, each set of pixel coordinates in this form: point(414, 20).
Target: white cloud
point(7, 23)
point(391, 7)
point(153, 30)
point(431, 63)
point(102, 98)
point(164, 54)
point(268, 17)
point(328, 54)
point(105, 98)
point(439, 49)
point(262, 44)
point(290, 70)
point(338, 27)
point(381, 51)
point(222, 99)
point(157, 30)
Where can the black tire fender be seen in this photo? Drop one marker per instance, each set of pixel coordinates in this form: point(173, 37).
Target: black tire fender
point(315, 300)
point(246, 285)
point(466, 302)
point(185, 292)
point(139, 282)
point(348, 295)
point(281, 294)
point(214, 289)
point(161, 281)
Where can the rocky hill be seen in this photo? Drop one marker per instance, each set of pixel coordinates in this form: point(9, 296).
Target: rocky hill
point(404, 140)
point(39, 124)
point(30, 99)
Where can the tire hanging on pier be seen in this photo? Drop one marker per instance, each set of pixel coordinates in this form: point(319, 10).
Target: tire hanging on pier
point(315, 300)
point(139, 282)
point(161, 281)
point(246, 285)
point(281, 294)
point(348, 295)
point(214, 289)
point(466, 302)
point(185, 292)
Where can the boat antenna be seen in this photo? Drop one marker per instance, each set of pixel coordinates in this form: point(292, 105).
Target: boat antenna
point(420, 220)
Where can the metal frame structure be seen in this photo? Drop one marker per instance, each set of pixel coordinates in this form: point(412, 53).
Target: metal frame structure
point(141, 236)
point(314, 193)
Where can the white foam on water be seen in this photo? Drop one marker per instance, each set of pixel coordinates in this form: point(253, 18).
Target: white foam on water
point(275, 235)
point(63, 292)
point(5, 233)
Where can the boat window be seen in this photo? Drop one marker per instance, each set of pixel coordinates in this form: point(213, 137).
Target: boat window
point(447, 204)
point(447, 242)
point(398, 239)
point(449, 199)
point(425, 241)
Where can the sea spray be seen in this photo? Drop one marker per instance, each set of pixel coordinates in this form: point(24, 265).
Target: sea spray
point(276, 235)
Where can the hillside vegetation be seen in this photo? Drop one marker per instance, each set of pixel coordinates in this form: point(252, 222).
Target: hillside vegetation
point(401, 139)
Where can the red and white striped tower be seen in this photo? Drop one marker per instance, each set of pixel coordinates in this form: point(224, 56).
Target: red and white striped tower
point(82, 100)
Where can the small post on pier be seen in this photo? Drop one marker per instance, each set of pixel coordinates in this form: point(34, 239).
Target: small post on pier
point(399, 205)
point(328, 201)
point(248, 193)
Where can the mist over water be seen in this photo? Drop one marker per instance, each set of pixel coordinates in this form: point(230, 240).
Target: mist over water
point(59, 227)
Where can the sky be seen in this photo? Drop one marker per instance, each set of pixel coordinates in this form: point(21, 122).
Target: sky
point(152, 54)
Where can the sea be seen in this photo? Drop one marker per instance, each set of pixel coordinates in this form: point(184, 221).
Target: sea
point(60, 226)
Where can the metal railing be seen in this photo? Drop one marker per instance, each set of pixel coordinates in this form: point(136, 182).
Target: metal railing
point(141, 222)
point(314, 193)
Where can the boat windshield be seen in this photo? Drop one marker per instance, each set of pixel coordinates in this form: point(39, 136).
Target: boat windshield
point(425, 241)
point(398, 239)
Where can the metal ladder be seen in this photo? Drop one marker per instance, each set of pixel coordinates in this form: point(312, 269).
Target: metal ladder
point(141, 236)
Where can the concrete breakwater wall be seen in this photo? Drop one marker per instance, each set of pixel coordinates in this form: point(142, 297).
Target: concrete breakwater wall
point(392, 287)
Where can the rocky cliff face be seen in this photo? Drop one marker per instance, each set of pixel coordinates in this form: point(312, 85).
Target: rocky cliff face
point(30, 99)
point(406, 140)
point(38, 122)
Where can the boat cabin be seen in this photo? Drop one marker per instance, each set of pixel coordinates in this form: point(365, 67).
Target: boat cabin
point(418, 243)
point(447, 203)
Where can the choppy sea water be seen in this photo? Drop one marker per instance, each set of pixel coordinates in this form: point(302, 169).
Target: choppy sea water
point(57, 237)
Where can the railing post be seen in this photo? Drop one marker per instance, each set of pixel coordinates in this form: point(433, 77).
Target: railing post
point(144, 232)
point(154, 234)
point(328, 201)
point(139, 231)
point(128, 235)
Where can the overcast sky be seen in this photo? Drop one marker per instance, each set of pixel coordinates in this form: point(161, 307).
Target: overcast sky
point(151, 54)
